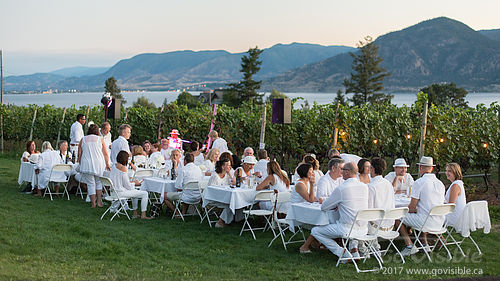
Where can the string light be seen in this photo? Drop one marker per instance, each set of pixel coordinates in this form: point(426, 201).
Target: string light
point(375, 141)
point(343, 133)
point(441, 140)
point(408, 136)
point(484, 145)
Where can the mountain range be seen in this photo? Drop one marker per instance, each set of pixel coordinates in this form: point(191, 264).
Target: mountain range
point(432, 51)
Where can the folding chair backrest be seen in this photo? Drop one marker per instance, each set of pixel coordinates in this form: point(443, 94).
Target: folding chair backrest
point(396, 213)
point(191, 185)
point(264, 195)
point(370, 215)
point(105, 181)
point(62, 168)
point(140, 174)
point(281, 197)
point(441, 210)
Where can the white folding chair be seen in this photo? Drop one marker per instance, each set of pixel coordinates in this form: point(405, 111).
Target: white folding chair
point(121, 203)
point(264, 195)
point(394, 214)
point(279, 198)
point(58, 168)
point(474, 216)
point(140, 161)
point(209, 209)
point(439, 210)
point(367, 215)
point(141, 174)
point(189, 187)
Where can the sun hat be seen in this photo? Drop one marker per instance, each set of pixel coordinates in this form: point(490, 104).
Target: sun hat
point(174, 132)
point(426, 161)
point(249, 160)
point(400, 162)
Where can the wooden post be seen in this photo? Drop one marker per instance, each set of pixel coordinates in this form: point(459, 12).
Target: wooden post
point(1, 98)
point(498, 163)
point(33, 123)
point(159, 126)
point(262, 144)
point(126, 113)
point(60, 126)
point(88, 118)
point(423, 131)
point(336, 131)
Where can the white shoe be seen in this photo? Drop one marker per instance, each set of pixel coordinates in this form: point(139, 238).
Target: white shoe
point(346, 257)
point(426, 248)
point(218, 225)
point(409, 250)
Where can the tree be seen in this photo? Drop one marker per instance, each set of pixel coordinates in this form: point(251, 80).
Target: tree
point(142, 101)
point(446, 94)
point(366, 81)
point(111, 87)
point(188, 99)
point(275, 94)
point(247, 88)
point(340, 98)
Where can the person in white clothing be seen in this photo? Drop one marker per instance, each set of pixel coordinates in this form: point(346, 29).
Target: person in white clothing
point(173, 166)
point(308, 158)
point(156, 160)
point(76, 133)
point(93, 159)
point(350, 197)
point(427, 192)
point(212, 157)
point(276, 180)
point(199, 158)
point(218, 142)
point(380, 194)
point(400, 179)
point(105, 133)
point(30, 150)
point(121, 143)
point(261, 165)
point(248, 151)
point(222, 177)
point(126, 189)
point(63, 152)
point(364, 170)
point(455, 193)
point(246, 170)
point(304, 188)
point(47, 159)
point(350, 158)
point(332, 179)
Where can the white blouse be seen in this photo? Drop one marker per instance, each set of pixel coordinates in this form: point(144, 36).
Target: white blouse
point(120, 180)
point(459, 205)
point(216, 180)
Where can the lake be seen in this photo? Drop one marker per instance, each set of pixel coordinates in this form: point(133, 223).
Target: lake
point(92, 98)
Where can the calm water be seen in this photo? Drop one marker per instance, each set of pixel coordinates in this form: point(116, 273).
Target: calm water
point(79, 99)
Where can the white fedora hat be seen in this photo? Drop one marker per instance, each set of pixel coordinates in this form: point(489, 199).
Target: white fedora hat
point(426, 161)
point(249, 160)
point(400, 162)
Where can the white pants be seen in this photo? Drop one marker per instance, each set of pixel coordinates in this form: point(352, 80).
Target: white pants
point(326, 233)
point(93, 183)
point(135, 195)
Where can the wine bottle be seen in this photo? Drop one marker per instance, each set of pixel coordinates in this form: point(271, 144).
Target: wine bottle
point(238, 178)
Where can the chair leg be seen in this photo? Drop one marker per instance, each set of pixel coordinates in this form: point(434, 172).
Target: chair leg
point(475, 244)
point(417, 240)
point(66, 190)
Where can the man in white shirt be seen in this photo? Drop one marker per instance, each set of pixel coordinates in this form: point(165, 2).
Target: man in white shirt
point(217, 142)
point(121, 143)
point(248, 151)
point(400, 179)
point(261, 165)
point(427, 192)
point(380, 194)
point(105, 133)
point(348, 198)
point(332, 179)
point(76, 133)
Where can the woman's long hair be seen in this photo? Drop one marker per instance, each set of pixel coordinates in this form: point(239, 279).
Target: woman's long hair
point(273, 168)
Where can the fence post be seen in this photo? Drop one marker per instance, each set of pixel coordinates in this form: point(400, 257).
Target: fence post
point(336, 130)
point(422, 132)
point(159, 125)
point(33, 123)
point(1, 129)
point(498, 161)
point(88, 118)
point(60, 126)
point(262, 144)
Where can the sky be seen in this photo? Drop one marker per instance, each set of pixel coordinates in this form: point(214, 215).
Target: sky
point(42, 36)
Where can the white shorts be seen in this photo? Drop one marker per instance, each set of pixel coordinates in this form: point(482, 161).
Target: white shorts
point(414, 220)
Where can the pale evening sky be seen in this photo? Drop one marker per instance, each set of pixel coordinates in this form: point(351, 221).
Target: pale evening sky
point(40, 36)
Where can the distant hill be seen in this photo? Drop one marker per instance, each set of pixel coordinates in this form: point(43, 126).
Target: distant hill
point(433, 51)
point(491, 33)
point(186, 68)
point(79, 71)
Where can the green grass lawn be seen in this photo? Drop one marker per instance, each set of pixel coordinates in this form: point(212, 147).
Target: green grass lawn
point(66, 240)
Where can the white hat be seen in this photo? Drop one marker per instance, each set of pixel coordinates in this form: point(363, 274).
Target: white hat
point(426, 161)
point(400, 162)
point(249, 160)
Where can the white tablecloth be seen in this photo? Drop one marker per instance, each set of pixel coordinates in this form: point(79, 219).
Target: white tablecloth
point(401, 201)
point(236, 198)
point(27, 174)
point(309, 215)
point(158, 185)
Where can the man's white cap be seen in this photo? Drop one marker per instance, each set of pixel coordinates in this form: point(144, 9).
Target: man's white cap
point(400, 162)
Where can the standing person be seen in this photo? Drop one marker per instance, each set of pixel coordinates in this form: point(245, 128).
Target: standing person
point(218, 142)
point(400, 179)
point(261, 165)
point(121, 143)
point(93, 159)
point(332, 179)
point(105, 133)
point(76, 133)
point(427, 192)
point(455, 193)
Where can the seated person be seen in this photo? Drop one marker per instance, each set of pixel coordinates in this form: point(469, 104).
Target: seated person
point(146, 146)
point(174, 164)
point(64, 152)
point(276, 180)
point(165, 150)
point(222, 175)
point(261, 165)
point(125, 188)
point(427, 192)
point(332, 179)
point(228, 156)
point(199, 158)
point(48, 159)
point(30, 149)
point(246, 169)
point(212, 157)
point(380, 194)
point(455, 194)
point(400, 179)
point(308, 158)
point(156, 160)
point(364, 170)
point(304, 188)
point(138, 157)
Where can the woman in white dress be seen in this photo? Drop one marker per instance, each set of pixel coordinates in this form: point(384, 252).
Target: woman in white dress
point(125, 188)
point(364, 170)
point(222, 175)
point(227, 155)
point(212, 157)
point(455, 193)
point(276, 180)
point(47, 159)
point(304, 189)
point(30, 149)
point(315, 164)
point(93, 159)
